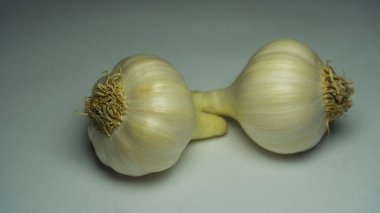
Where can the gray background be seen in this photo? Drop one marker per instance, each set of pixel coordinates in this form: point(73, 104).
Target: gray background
point(51, 53)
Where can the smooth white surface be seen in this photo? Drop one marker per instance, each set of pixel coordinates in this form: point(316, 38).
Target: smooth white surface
point(51, 53)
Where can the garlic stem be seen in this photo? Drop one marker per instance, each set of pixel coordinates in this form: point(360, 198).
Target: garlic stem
point(208, 126)
point(216, 102)
point(207, 105)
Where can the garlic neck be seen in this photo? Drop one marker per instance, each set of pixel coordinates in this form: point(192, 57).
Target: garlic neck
point(337, 93)
point(107, 105)
point(209, 108)
point(217, 102)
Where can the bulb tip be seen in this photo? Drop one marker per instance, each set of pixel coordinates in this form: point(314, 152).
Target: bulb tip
point(107, 105)
point(337, 92)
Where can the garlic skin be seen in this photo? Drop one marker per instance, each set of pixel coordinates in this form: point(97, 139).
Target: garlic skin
point(143, 116)
point(284, 98)
point(280, 98)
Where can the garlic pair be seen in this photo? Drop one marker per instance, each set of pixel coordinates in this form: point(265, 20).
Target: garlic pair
point(143, 116)
point(284, 98)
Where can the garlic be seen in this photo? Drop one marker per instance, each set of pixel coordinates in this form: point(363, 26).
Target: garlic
point(284, 98)
point(143, 116)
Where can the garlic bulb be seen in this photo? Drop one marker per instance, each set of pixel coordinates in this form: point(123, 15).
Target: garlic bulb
point(143, 115)
point(284, 98)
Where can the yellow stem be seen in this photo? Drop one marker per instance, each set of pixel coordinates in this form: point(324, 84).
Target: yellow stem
point(208, 126)
point(220, 102)
point(210, 106)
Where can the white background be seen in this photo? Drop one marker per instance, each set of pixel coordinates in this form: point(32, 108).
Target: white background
point(52, 52)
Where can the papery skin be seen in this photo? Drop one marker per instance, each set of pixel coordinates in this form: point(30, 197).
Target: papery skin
point(159, 122)
point(279, 96)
